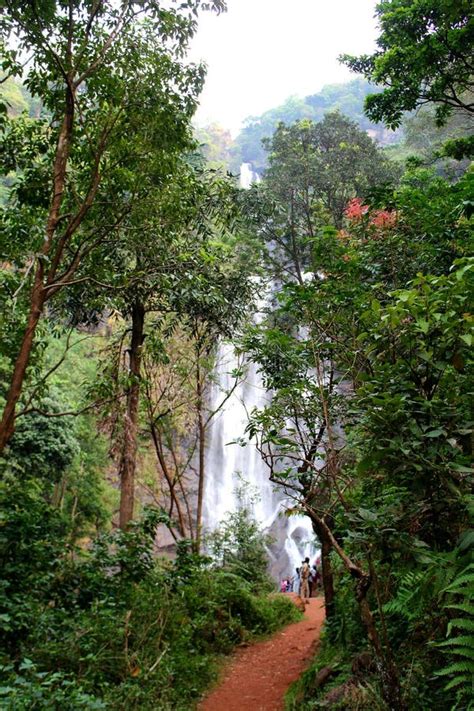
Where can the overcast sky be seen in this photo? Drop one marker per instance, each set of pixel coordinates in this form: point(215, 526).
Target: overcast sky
point(262, 51)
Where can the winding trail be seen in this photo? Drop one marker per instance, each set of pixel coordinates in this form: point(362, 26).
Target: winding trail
point(257, 677)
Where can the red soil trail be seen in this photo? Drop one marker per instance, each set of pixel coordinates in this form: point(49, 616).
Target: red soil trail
point(257, 677)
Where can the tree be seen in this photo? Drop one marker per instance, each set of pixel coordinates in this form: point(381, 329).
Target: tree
point(432, 143)
point(181, 400)
point(367, 430)
point(300, 438)
point(103, 73)
point(314, 170)
point(174, 268)
point(238, 545)
point(216, 145)
point(424, 56)
point(348, 98)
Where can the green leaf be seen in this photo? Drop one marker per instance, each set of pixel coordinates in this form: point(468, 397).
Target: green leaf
point(461, 468)
point(435, 433)
point(461, 624)
point(367, 515)
point(466, 540)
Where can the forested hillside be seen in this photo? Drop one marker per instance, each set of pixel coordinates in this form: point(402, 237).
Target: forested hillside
point(346, 98)
point(343, 281)
point(417, 135)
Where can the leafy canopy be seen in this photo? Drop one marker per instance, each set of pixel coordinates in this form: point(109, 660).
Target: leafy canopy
point(424, 55)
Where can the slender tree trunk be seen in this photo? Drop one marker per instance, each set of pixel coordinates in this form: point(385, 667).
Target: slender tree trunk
point(388, 671)
point(39, 293)
point(7, 425)
point(129, 446)
point(169, 480)
point(328, 578)
point(327, 574)
point(201, 453)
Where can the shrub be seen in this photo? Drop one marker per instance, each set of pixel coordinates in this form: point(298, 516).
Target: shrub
point(113, 627)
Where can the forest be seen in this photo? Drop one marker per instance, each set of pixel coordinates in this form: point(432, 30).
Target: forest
point(131, 260)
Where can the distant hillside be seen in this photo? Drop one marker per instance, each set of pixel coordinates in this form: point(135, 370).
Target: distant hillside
point(18, 99)
point(215, 144)
point(348, 98)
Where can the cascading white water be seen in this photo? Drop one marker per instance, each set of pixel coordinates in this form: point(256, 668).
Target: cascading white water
point(248, 176)
point(228, 463)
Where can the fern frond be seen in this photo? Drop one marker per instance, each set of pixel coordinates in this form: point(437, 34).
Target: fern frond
point(462, 624)
point(467, 640)
point(410, 599)
point(460, 647)
point(464, 652)
point(464, 589)
point(463, 679)
point(462, 607)
point(464, 667)
point(465, 578)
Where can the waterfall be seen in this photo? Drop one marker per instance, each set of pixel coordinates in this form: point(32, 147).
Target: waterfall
point(228, 463)
point(248, 176)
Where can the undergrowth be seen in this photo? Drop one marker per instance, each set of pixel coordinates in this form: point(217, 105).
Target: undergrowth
point(112, 628)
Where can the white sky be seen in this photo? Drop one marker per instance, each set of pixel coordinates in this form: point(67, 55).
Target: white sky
point(262, 51)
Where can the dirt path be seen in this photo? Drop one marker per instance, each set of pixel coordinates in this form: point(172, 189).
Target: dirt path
point(257, 677)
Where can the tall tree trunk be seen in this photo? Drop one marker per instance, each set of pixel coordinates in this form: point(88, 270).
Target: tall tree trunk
point(201, 453)
point(7, 425)
point(128, 456)
point(387, 669)
point(38, 293)
point(327, 575)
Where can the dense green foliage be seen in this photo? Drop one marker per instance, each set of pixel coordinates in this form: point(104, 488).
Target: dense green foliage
point(89, 619)
point(112, 628)
point(448, 148)
point(369, 358)
point(216, 145)
point(239, 546)
point(424, 55)
point(125, 259)
point(110, 217)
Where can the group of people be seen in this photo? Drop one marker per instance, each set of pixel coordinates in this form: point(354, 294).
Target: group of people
point(304, 582)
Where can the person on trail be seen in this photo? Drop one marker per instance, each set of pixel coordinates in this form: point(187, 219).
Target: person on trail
point(311, 581)
point(296, 582)
point(304, 580)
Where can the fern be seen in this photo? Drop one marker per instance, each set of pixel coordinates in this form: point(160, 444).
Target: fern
point(462, 607)
point(460, 679)
point(461, 623)
point(462, 652)
point(467, 640)
point(458, 667)
point(460, 646)
point(411, 598)
point(418, 589)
